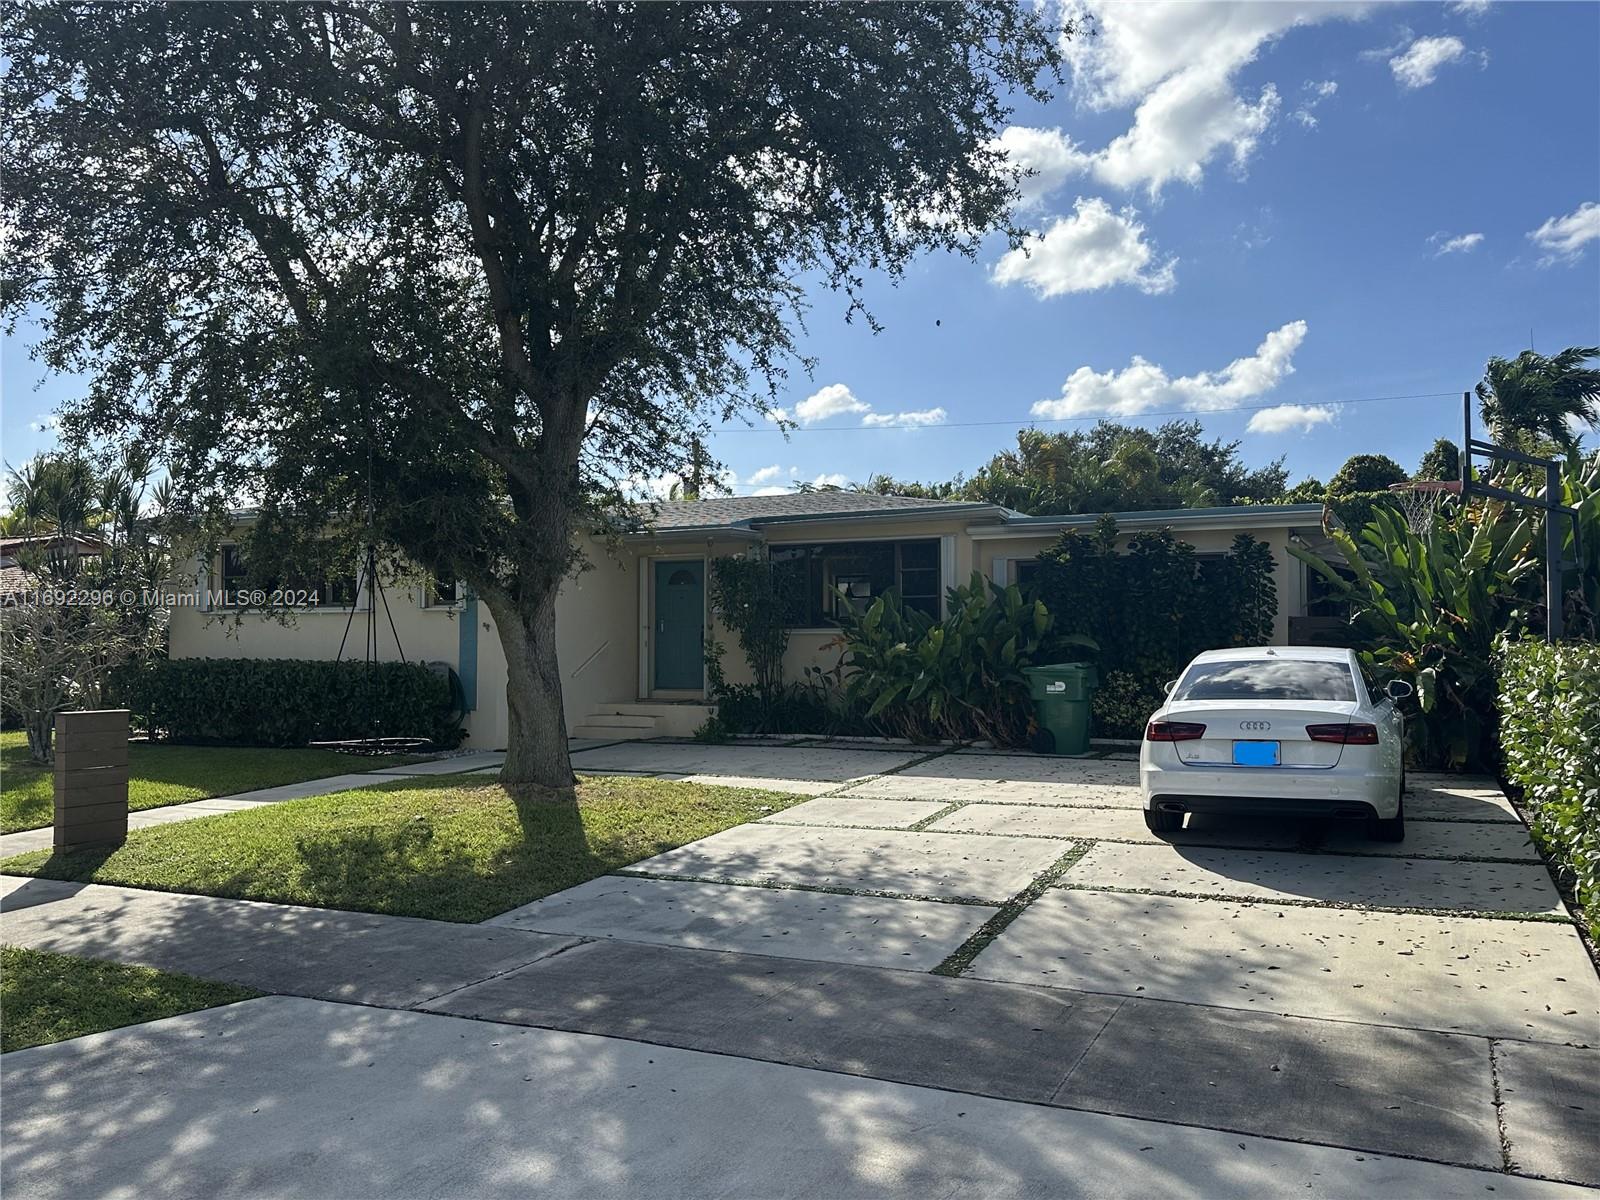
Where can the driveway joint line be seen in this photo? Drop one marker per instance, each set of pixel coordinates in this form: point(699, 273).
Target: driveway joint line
point(957, 962)
point(544, 957)
point(1296, 902)
point(1507, 1162)
point(1078, 1062)
point(781, 886)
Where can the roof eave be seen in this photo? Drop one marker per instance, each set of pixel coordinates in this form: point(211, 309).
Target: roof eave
point(1245, 518)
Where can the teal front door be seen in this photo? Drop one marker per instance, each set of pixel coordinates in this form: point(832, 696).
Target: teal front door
point(680, 625)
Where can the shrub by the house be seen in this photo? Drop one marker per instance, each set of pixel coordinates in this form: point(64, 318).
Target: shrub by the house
point(1151, 609)
point(960, 676)
point(1549, 699)
point(290, 702)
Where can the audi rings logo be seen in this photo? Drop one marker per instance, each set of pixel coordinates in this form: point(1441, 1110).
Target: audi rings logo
point(1255, 726)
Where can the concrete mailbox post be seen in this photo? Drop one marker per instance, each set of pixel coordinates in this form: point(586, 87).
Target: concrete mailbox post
point(91, 778)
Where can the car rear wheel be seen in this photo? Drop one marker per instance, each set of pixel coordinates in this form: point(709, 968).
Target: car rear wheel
point(1390, 829)
point(1158, 821)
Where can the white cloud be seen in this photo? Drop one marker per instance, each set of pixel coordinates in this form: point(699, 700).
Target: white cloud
point(770, 491)
point(1092, 249)
point(1143, 386)
point(1563, 238)
point(1444, 243)
point(765, 474)
point(50, 423)
point(831, 481)
point(1048, 153)
point(1177, 63)
point(1471, 9)
point(838, 400)
point(1281, 418)
point(1313, 94)
point(1420, 64)
point(905, 420)
point(832, 401)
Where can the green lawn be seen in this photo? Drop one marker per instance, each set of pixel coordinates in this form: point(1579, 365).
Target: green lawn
point(159, 775)
point(454, 849)
point(53, 997)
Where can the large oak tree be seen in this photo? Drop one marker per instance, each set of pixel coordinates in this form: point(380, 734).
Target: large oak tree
point(481, 262)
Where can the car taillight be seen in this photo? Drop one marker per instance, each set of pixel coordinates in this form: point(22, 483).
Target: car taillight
point(1345, 735)
point(1173, 731)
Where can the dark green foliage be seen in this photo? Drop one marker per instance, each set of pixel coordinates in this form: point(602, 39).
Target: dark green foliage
point(1307, 491)
point(1442, 461)
point(1530, 399)
point(1108, 468)
point(753, 604)
point(290, 702)
point(478, 264)
point(1366, 473)
point(756, 602)
point(1549, 699)
point(1152, 609)
point(1428, 606)
point(959, 677)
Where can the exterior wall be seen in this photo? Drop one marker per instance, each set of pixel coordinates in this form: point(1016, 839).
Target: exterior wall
point(596, 613)
point(605, 614)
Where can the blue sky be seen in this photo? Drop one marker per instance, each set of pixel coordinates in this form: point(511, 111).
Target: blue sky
point(1232, 177)
point(1277, 208)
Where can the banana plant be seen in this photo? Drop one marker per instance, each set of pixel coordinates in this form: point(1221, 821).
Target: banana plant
point(956, 677)
point(1429, 605)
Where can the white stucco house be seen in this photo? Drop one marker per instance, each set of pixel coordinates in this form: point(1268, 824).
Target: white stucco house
point(633, 626)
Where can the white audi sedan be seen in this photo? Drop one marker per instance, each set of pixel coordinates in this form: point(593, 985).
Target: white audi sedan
point(1277, 730)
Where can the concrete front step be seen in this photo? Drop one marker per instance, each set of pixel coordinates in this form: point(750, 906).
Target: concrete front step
point(620, 721)
point(666, 719)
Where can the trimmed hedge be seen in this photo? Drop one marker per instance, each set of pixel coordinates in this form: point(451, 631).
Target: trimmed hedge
point(290, 702)
point(1550, 740)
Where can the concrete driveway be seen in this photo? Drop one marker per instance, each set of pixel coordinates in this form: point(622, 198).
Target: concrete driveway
point(968, 973)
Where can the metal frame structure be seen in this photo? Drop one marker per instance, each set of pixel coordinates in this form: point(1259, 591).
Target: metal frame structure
point(1549, 503)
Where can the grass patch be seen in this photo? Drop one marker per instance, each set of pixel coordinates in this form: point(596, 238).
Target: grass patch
point(159, 775)
point(454, 849)
point(52, 997)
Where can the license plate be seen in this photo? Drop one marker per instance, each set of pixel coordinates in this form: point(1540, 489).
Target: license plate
point(1255, 754)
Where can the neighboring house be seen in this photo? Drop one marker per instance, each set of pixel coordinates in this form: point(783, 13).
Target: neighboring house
point(26, 562)
point(633, 627)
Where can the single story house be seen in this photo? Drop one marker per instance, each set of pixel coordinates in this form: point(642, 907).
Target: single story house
point(633, 627)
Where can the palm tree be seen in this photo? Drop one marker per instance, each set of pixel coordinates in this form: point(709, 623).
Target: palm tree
point(1534, 397)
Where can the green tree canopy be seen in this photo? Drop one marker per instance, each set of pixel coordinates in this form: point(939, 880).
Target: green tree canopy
point(1442, 461)
point(481, 262)
point(1366, 473)
point(1109, 467)
point(1537, 397)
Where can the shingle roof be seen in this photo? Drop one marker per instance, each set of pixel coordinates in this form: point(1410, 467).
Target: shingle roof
point(723, 511)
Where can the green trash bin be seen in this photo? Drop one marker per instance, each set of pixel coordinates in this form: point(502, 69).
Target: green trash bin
point(1061, 694)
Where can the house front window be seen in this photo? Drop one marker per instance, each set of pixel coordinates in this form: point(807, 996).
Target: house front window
point(337, 590)
point(818, 579)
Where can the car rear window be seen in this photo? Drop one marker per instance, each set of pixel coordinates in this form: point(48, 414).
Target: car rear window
point(1266, 679)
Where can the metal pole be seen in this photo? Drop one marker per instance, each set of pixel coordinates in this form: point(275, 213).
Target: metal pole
point(1552, 552)
point(1465, 457)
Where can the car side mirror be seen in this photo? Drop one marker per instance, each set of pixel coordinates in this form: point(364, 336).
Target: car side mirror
point(1397, 689)
point(1169, 685)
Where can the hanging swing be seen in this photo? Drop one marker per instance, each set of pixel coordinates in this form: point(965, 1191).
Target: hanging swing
point(372, 741)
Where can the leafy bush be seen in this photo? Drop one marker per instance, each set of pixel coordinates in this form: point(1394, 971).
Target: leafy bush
point(290, 702)
point(1152, 609)
point(959, 677)
point(1549, 699)
point(1367, 473)
point(753, 604)
point(1428, 606)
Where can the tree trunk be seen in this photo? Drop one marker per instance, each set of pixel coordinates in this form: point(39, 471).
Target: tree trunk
point(41, 728)
point(537, 767)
